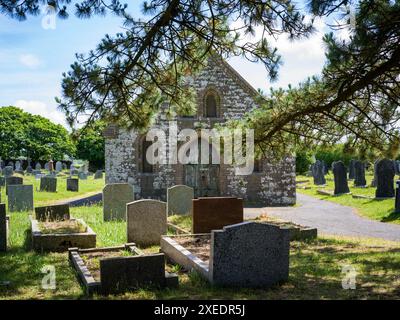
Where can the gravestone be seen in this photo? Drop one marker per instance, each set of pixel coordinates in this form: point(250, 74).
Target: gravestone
point(396, 164)
point(250, 254)
point(57, 212)
point(72, 184)
point(74, 172)
point(214, 213)
point(318, 173)
point(115, 198)
point(46, 166)
point(13, 181)
point(179, 200)
point(11, 164)
point(38, 166)
point(374, 180)
point(352, 169)
point(359, 174)
point(98, 174)
point(8, 171)
point(146, 221)
point(48, 184)
point(58, 166)
point(82, 176)
point(325, 167)
point(2, 181)
point(340, 178)
point(385, 175)
point(64, 166)
point(18, 166)
point(51, 166)
point(3, 228)
point(127, 273)
point(20, 198)
point(397, 200)
point(29, 169)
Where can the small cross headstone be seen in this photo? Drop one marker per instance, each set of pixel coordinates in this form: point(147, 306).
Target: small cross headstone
point(385, 175)
point(340, 178)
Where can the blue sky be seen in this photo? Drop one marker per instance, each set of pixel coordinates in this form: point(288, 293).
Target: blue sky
point(32, 59)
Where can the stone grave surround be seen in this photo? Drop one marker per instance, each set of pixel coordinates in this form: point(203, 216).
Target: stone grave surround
point(3, 228)
point(179, 200)
point(20, 198)
point(58, 212)
point(214, 213)
point(146, 221)
point(249, 254)
point(115, 198)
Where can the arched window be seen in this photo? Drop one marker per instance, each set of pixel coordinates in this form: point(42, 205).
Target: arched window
point(146, 166)
point(211, 104)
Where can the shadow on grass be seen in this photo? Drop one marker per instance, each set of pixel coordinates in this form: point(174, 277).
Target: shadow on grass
point(393, 216)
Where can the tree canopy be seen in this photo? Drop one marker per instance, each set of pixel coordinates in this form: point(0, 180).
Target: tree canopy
point(130, 75)
point(25, 135)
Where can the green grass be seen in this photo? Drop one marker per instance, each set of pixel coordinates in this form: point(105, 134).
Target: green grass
point(381, 210)
point(315, 268)
point(86, 187)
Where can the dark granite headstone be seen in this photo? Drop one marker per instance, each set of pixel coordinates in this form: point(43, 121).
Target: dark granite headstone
point(72, 184)
point(48, 184)
point(214, 213)
point(318, 173)
point(397, 201)
point(396, 166)
point(352, 169)
point(250, 254)
point(340, 178)
point(359, 174)
point(129, 273)
point(2, 182)
point(373, 181)
point(58, 212)
point(385, 175)
point(11, 181)
point(20, 198)
point(3, 227)
point(29, 169)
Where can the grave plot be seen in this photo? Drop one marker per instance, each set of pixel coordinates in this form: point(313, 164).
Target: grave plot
point(247, 254)
point(120, 269)
point(54, 230)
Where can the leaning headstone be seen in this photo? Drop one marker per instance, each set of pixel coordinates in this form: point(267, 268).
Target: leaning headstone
point(58, 212)
point(38, 166)
point(98, 174)
point(115, 198)
point(58, 166)
point(82, 176)
point(8, 171)
point(20, 198)
point(340, 178)
point(385, 175)
point(72, 184)
point(147, 221)
point(397, 201)
point(250, 254)
point(48, 184)
point(318, 173)
point(214, 213)
point(352, 169)
point(359, 174)
point(13, 181)
point(179, 200)
point(3, 228)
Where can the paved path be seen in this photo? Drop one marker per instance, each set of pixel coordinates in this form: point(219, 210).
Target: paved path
point(329, 218)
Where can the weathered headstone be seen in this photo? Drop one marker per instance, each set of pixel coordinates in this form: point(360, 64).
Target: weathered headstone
point(20, 198)
point(2, 181)
point(58, 166)
point(318, 173)
point(352, 169)
point(249, 254)
point(48, 184)
point(11, 164)
point(98, 174)
point(38, 166)
point(72, 184)
point(146, 221)
point(46, 166)
point(340, 178)
point(359, 174)
point(115, 198)
point(51, 166)
point(13, 181)
point(214, 213)
point(18, 166)
point(8, 171)
point(179, 200)
point(325, 167)
point(82, 176)
point(3, 227)
point(58, 212)
point(397, 200)
point(29, 169)
point(385, 175)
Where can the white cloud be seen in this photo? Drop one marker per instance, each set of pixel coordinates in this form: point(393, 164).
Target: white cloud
point(42, 109)
point(29, 60)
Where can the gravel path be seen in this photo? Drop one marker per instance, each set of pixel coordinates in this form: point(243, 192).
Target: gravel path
point(329, 218)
